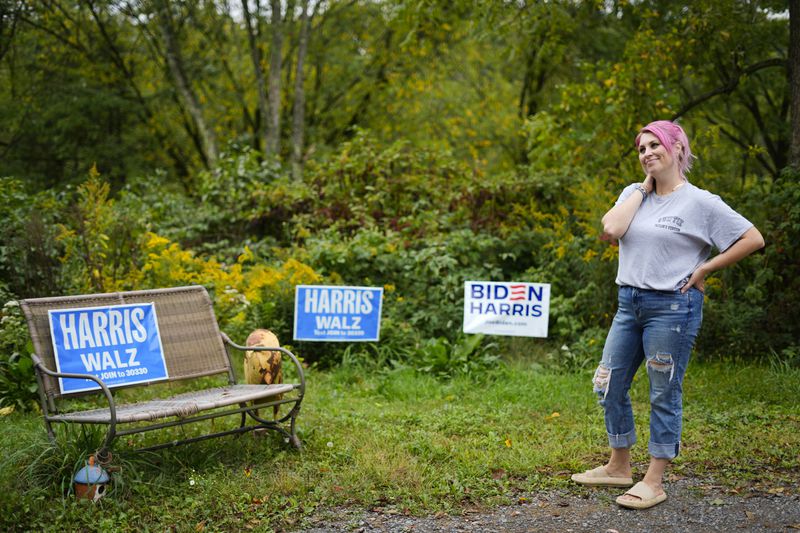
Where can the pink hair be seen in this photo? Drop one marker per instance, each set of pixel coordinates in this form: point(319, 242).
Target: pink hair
point(668, 134)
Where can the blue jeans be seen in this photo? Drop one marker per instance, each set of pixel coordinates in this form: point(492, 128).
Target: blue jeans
point(658, 327)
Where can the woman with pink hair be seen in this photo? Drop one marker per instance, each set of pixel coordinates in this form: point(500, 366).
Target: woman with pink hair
point(666, 229)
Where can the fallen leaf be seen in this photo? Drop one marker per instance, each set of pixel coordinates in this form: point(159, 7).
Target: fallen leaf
point(508, 443)
point(750, 515)
point(201, 526)
point(717, 501)
point(776, 490)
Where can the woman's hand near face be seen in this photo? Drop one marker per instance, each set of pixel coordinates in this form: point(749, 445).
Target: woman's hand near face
point(648, 183)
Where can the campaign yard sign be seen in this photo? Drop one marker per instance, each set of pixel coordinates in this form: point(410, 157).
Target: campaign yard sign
point(120, 344)
point(339, 314)
point(500, 308)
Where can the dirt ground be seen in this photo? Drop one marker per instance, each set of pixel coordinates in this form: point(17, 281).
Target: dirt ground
point(691, 506)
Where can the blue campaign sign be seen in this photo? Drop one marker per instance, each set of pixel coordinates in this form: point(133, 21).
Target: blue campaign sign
point(343, 314)
point(120, 344)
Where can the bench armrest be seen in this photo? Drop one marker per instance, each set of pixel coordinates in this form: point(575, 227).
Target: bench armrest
point(40, 366)
point(294, 359)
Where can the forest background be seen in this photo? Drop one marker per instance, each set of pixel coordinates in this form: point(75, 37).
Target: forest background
point(250, 147)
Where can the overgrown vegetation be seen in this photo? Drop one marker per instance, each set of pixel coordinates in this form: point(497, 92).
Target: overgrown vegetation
point(402, 441)
point(408, 220)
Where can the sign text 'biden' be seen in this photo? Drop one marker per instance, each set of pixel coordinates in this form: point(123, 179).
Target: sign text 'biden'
point(499, 308)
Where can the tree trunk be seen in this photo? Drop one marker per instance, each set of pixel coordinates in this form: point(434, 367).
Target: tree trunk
point(274, 126)
point(261, 85)
point(299, 111)
point(794, 82)
point(185, 91)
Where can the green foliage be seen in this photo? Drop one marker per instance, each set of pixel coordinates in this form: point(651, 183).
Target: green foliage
point(746, 306)
point(469, 356)
point(446, 142)
point(29, 263)
point(17, 380)
point(231, 193)
point(402, 440)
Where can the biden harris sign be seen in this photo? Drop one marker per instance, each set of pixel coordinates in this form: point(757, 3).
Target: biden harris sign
point(345, 314)
point(513, 309)
point(119, 344)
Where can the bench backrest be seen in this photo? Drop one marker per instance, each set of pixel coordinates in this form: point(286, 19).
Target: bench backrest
point(190, 336)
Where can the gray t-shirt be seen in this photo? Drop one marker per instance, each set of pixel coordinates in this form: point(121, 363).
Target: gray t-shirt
point(670, 236)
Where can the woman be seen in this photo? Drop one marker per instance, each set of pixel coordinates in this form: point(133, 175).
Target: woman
point(666, 228)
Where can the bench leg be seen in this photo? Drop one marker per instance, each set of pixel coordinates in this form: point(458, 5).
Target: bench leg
point(50, 433)
point(276, 425)
point(294, 439)
point(105, 449)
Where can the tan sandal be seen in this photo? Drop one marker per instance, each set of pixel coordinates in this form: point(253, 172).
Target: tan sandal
point(598, 477)
point(647, 497)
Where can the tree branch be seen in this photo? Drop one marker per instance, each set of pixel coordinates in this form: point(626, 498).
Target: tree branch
point(730, 85)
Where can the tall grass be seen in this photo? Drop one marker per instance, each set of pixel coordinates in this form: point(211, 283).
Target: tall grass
point(399, 440)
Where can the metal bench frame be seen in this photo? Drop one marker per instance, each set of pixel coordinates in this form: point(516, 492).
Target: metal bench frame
point(193, 347)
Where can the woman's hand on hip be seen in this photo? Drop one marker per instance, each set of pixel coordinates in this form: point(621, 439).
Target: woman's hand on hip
point(696, 280)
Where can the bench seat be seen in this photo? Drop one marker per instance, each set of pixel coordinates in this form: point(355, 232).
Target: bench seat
point(182, 405)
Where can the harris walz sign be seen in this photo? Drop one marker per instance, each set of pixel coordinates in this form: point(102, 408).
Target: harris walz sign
point(119, 344)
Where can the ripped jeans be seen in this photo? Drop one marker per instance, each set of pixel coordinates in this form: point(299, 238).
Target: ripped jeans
point(659, 327)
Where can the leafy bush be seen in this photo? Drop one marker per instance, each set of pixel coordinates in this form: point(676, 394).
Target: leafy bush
point(29, 263)
point(416, 222)
point(17, 380)
point(747, 306)
point(469, 356)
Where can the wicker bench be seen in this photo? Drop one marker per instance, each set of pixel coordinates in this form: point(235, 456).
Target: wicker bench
point(193, 347)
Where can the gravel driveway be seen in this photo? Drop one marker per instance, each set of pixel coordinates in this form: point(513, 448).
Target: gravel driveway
point(691, 506)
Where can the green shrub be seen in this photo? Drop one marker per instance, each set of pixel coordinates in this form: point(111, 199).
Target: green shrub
point(17, 379)
point(748, 306)
point(468, 355)
point(29, 253)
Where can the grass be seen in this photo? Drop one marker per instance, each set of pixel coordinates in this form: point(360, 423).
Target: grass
point(403, 443)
